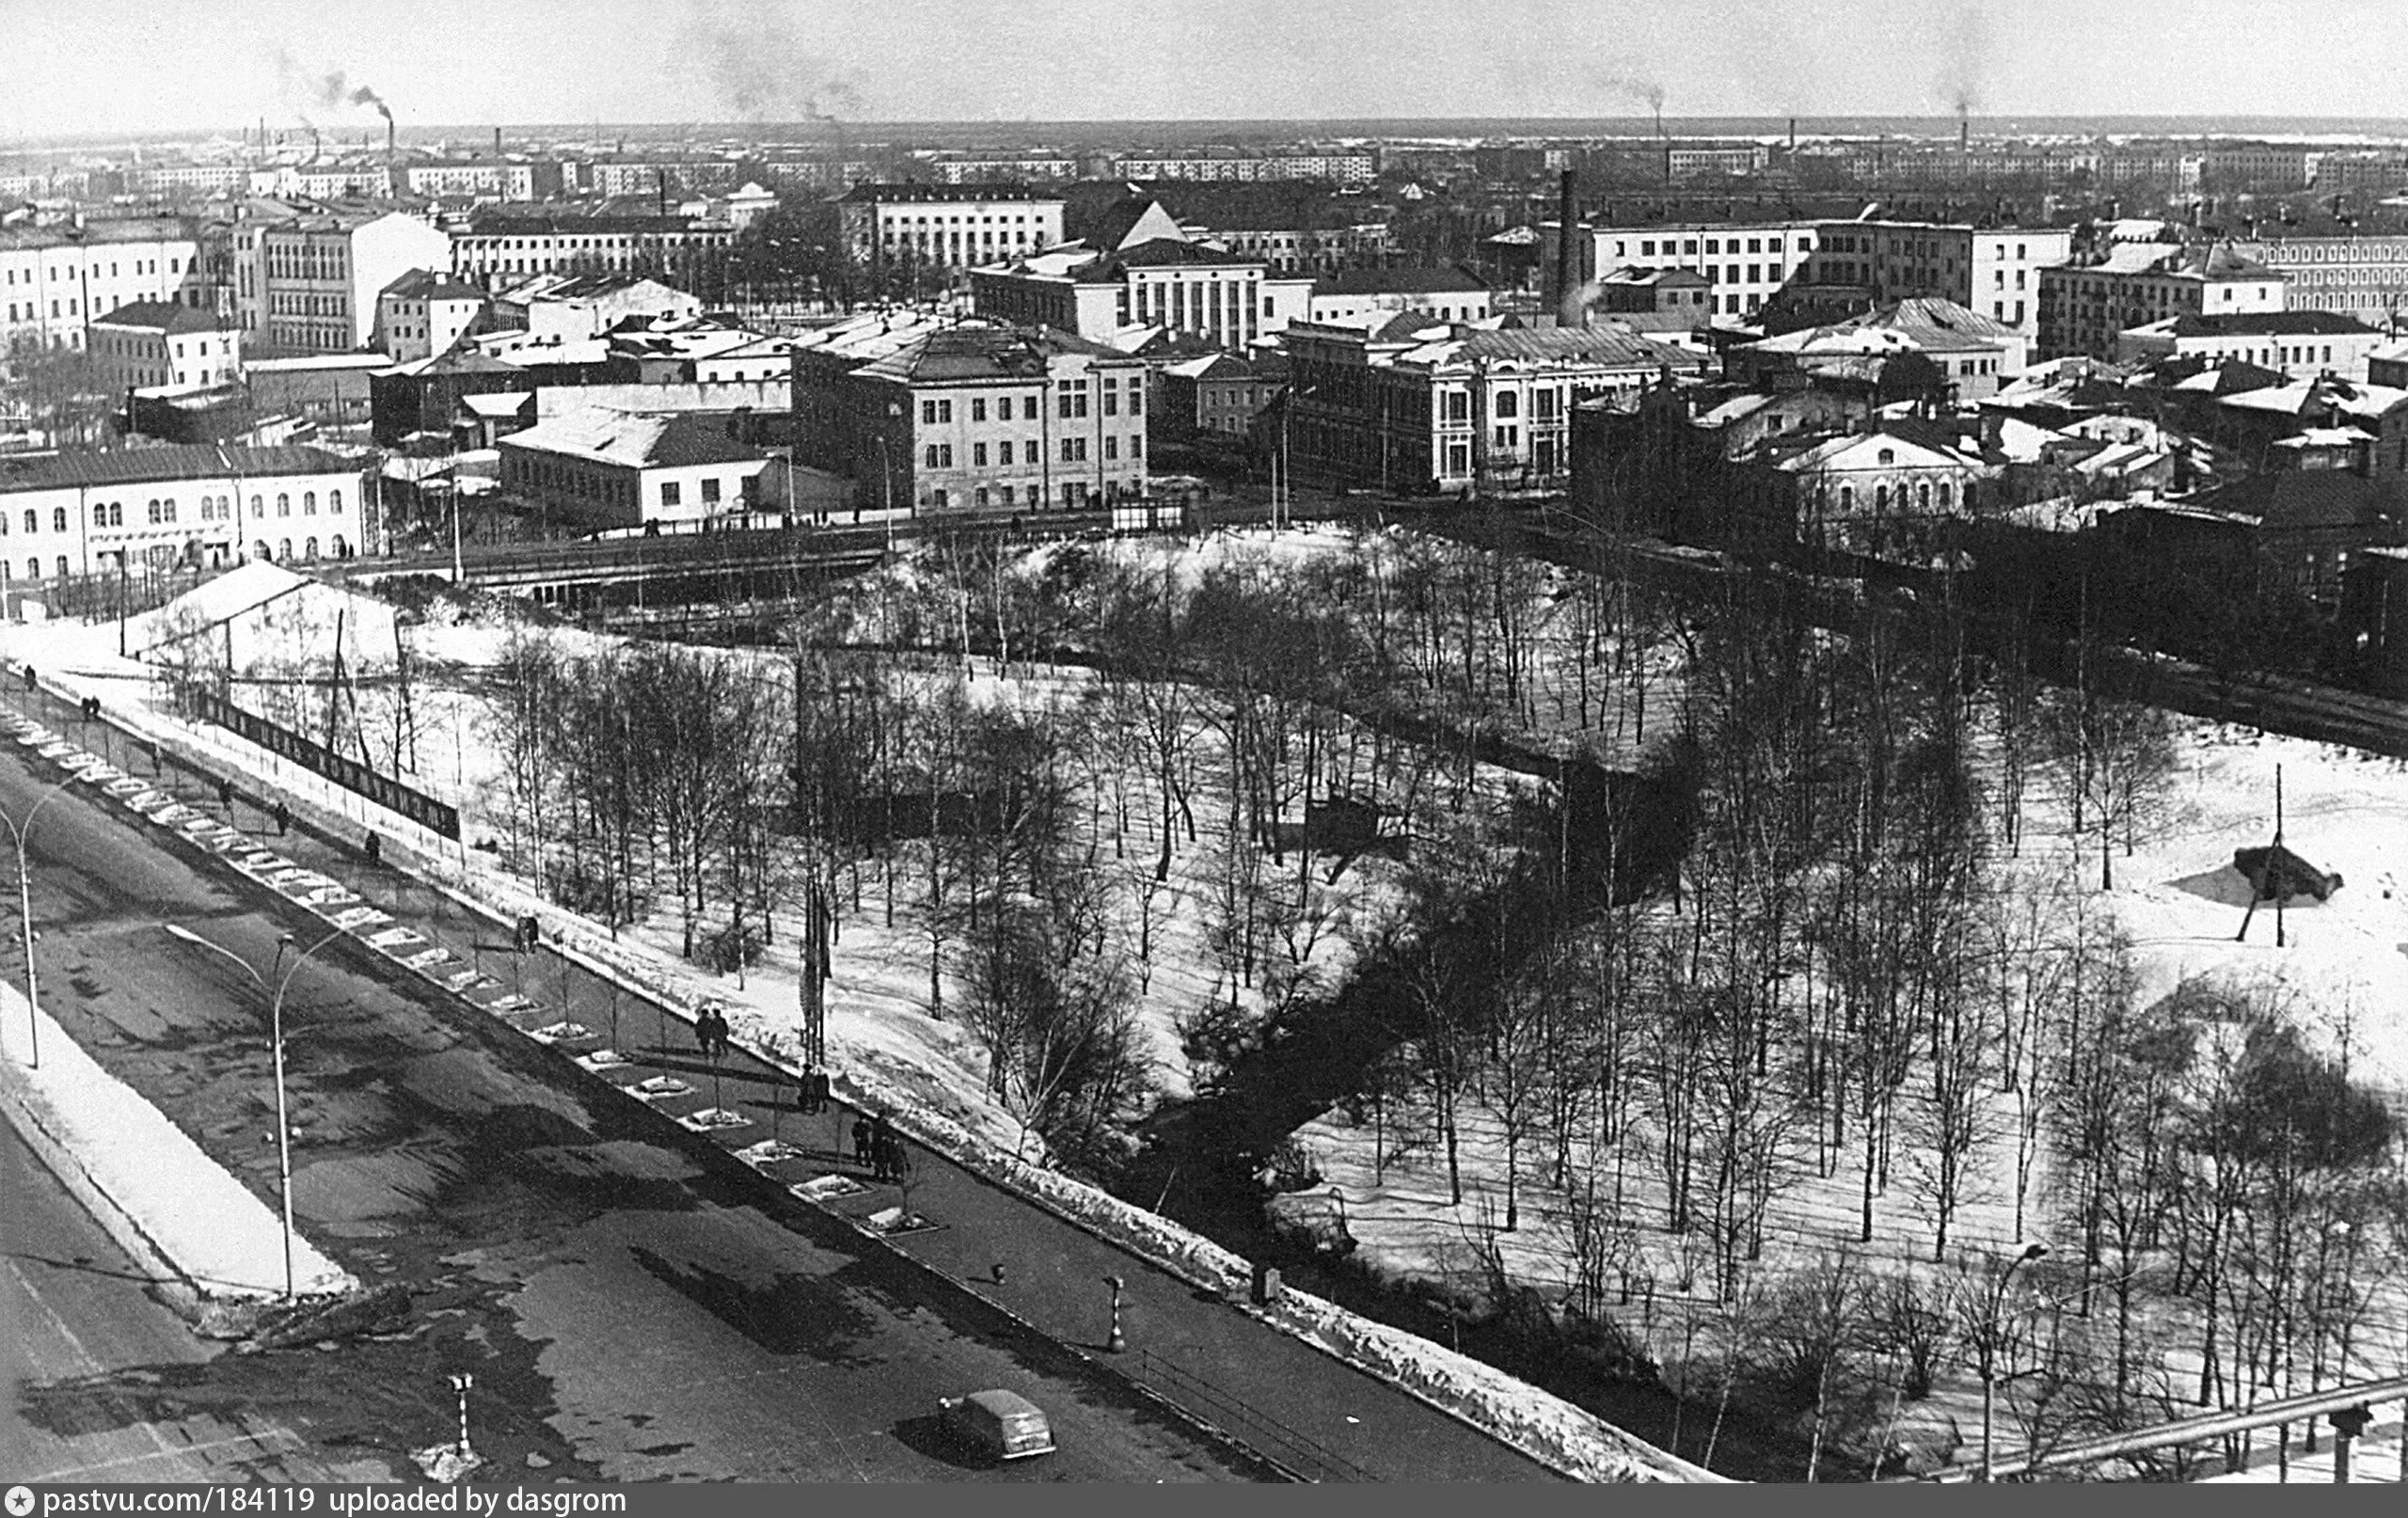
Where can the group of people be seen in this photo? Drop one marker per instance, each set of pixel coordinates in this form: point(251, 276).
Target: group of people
point(710, 1030)
point(878, 1146)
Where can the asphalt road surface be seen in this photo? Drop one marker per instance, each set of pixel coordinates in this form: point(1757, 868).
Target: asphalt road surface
point(631, 1305)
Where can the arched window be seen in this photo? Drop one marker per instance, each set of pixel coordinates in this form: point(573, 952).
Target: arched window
point(259, 550)
point(62, 566)
point(1968, 495)
point(1847, 498)
point(309, 503)
point(58, 518)
point(155, 511)
point(1888, 457)
point(1881, 497)
point(334, 503)
point(168, 510)
point(1943, 494)
point(284, 504)
point(283, 549)
point(309, 549)
point(255, 508)
point(33, 524)
point(338, 548)
point(33, 569)
point(1922, 496)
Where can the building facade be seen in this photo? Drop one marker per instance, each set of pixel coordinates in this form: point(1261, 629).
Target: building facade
point(488, 179)
point(499, 248)
point(423, 313)
point(2085, 306)
point(1403, 403)
point(607, 468)
point(2297, 344)
point(1343, 167)
point(156, 507)
point(308, 283)
point(1994, 271)
point(2362, 277)
point(158, 343)
point(55, 280)
point(1746, 263)
point(1225, 299)
point(979, 414)
point(947, 227)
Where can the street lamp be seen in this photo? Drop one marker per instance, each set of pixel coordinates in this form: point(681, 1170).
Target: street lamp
point(1989, 1345)
point(275, 1034)
point(1117, 1342)
point(25, 918)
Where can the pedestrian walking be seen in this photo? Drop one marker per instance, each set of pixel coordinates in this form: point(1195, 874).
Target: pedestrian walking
point(861, 1140)
point(283, 815)
point(29, 677)
point(375, 847)
point(226, 798)
point(527, 934)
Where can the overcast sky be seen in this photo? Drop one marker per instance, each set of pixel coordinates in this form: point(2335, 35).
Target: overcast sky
point(106, 65)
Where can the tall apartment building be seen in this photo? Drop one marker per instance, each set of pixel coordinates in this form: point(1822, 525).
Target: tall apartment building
point(492, 179)
point(983, 414)
point(169, 181)
point(1745, 262)
point(975, 169)
point(55, 280)
point(945, 227)
point(2083, 307)
point(307, 282)
point(1344, 168)
point(1994, 271)
point(2362, 277)
point(1309, 249)
point(501, 247)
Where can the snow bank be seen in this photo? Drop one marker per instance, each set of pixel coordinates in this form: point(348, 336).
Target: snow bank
point(168, 1204)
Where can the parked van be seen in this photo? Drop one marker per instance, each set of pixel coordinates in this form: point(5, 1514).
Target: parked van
point(1004, 1425)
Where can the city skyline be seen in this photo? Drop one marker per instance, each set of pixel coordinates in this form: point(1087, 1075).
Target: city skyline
point(87, 69)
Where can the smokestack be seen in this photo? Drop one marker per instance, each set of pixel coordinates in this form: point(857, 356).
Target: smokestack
point(497, 142)
point(1567, 288)
point(1793, 133)
point(389, 143)
point(1964, 133)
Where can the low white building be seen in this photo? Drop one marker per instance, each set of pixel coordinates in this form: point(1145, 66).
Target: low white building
point(164, 344)
point(423, 313)
point(614, 468)
point(2298, 344)
point(146, 509)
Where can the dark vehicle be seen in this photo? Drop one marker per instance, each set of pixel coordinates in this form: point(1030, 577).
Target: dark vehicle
point(1003, 1425)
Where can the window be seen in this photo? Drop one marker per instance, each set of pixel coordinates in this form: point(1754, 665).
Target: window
point(928, 413)
point(334, 508)
point(1137, 444)
point(669, 493)
point(1003, 408)
point(59, 520)
point(1003, 451)
point(283, 508)
point(255, 509)
point(978, 412)
point(978, 460)
point(1508, 403)
point(309, 503)
point(1074, 450)
point(1111, 446)
point(940, 456)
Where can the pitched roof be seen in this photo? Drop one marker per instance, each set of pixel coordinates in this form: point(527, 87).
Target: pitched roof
point(976, 351)
point(2300, 498)
point(2265, 323)
point(143, 466)
point(162, 316)
point(635, 439)
point(428, 284)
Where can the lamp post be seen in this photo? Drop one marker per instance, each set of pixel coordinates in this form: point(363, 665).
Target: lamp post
point(1990, 1346)
point(26, 919)
point(1116, 1342)
point(276, 1033)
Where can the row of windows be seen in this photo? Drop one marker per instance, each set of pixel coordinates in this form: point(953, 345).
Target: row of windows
point(1073, 450)
point(1073, 493)
point(161, 511)
point(141, 266)
point(1714, 245)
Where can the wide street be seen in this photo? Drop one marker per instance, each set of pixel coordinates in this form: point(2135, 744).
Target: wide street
point(627, 1305)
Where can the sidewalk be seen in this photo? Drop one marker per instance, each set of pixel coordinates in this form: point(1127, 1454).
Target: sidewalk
point(1274, 1379)
point(211, 1244)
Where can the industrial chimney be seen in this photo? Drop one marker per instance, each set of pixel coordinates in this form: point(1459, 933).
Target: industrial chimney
point(497, 142)
point(1567, 286)
point(391, 145)
point(1793, 133)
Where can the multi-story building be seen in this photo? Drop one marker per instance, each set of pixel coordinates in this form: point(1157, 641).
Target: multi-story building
point(982, 414)
point(971, 168)
point(1404, 402)
point(423, 313)
point(1745, 262)
point(1216, 396)
point(164, 343)
point(946, 228)
point(636, 175)
point(570, 308)
point(1448, 294)
point(1992, 270)
point(55, 280)
point(173, 180)
point(1227, 299)
point(2278, 167)
point(1343, 167)
point(504, 247)
point(2170, 170)
point(488, 179)
point(2362, 277)
point(1309, 249)
point(88, 513)
point(307, 282)
point(1716, 160)
point(2297, 344)
point(2084, 306)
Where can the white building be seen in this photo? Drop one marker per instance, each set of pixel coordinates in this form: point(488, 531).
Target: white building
point(55, 280)
point(1994, 271)
point(2084, 307)
point(2298, 344)
point(1746, 263)
point(164, 344)
point(308, 283)
point(423, 313)
point(611, 468)
point(154, 508)
point(944, 227)
point(502, 248)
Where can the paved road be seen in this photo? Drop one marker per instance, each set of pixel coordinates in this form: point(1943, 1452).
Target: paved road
point(77, 1327)
point(1316, 1415)
point(631, 1306)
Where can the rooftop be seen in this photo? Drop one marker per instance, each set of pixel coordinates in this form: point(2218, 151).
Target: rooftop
point(162, 316)
point(146, 465)
point(637, 441)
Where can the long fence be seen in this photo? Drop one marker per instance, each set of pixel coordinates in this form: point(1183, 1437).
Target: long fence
point(1288, 1450)
point(316, 757)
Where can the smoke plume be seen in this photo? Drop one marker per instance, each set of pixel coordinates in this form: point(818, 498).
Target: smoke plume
point(1638, 87)
point(330, 89)
point(758, 63)
point(1965, 63)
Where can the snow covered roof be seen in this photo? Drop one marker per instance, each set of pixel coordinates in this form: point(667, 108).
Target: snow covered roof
point(634, 439)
